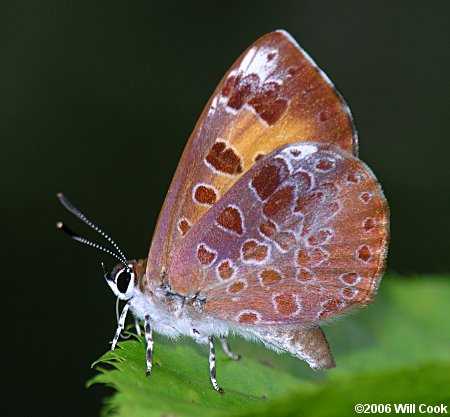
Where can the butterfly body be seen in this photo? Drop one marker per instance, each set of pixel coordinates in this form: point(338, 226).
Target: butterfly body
point(174, 315)
point(271, 227)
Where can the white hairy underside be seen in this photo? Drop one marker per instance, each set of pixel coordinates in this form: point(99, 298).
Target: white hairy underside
point(178, 323)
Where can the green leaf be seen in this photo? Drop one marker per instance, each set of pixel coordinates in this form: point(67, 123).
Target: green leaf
point(394, 351)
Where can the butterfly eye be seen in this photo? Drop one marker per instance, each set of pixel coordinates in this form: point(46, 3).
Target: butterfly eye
point(123, 280)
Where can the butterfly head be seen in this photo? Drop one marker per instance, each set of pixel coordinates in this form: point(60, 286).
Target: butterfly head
point(122, 280)
point(125, 277)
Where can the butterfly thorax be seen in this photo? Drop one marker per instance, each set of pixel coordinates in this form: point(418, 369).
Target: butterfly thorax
point(171, 313)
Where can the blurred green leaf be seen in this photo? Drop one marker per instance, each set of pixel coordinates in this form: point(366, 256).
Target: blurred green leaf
point(395, 351)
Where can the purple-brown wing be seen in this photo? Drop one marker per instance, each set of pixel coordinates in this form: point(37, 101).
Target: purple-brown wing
point(274, 94)
point(301, 237)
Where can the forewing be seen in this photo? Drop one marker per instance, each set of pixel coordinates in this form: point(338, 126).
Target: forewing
point(274, 94)
point(300, 238)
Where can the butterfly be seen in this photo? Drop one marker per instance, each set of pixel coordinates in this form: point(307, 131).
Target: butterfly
point(271, 227)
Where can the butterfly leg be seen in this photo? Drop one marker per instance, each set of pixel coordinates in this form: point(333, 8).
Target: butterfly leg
point(120, 326)
point(137, 326)
point(212, 365)
point(212, 357)
point(149, 340)
point(227, 350)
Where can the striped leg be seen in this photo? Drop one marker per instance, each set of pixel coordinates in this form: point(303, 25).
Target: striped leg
point(120, 325)
point(212, 365)
point(137, 326)
point(149, 340)
point(227, 350)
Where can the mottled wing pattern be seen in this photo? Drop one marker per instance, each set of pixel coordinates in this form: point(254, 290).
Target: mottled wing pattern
point(300, 238)
point(274, 94)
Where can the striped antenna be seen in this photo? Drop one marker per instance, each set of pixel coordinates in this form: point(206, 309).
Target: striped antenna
point(60, 225)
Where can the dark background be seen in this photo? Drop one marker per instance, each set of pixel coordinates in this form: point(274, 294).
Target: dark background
point(97, 99)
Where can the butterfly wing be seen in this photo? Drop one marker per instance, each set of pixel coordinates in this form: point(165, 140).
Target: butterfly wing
point(274, 94)
point(301, 237)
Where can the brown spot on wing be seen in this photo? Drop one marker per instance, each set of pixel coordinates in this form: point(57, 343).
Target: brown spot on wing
point(243, 88)
point(365, 197)
point(231, 219)
point(285, 303)
point(268, 179)
point(304, 275)
point(311, 257)
point(279, 200)
point(364, 253)
point(229, 83)
point(285, 240)
point(321, 237)
point(248, 318)
point(258, 157)
point(270, 277)
point(225, 270)
point(205, 255)
point(205, 195)
point(330, 307)
point(308, 202)
point(303, 180)
point(236, 287)
point(369, 224)
point(268, 104)
point(268, 229)
point(184, 226)
point(325, 164)
point(254, 251)
point(350, 278)
point(224, 159)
